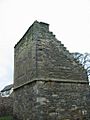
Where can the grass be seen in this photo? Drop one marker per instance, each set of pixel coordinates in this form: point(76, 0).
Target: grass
point(6, 118)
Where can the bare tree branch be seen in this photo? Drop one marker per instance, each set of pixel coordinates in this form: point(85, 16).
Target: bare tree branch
point(84, 59)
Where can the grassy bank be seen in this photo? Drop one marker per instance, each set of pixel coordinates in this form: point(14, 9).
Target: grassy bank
point(6, 118)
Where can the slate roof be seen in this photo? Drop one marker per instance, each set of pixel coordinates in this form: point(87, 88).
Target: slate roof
point(8, 87)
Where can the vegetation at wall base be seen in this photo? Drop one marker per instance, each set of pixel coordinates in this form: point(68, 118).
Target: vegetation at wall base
point(6, 118)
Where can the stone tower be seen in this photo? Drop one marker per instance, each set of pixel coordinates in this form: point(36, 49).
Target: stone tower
point(48, 83)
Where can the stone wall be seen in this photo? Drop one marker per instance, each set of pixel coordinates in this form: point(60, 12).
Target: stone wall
point(25, 60)
point(6, 106)
point(88, 101)
point(48, 83)
point(50, 100)
point(40, 55)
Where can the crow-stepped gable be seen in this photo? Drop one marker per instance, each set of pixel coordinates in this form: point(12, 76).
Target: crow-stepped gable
point(48, 82)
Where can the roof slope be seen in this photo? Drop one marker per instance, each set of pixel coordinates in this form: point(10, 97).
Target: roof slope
point(8, 87)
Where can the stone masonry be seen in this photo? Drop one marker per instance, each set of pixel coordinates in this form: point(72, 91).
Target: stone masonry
point(49, 84)
point(6, 106)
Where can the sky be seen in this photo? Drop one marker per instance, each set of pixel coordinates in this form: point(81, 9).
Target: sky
point(69, 20)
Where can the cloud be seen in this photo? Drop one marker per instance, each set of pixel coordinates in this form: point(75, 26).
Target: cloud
point(6, 65)
point(67, 19)
point(6, 74)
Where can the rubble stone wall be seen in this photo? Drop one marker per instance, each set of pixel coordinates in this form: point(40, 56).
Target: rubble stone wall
point(47, 100)
point(6, 106)
point(49, 84)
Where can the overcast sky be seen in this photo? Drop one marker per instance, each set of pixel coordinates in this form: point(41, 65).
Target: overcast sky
point(69, 20)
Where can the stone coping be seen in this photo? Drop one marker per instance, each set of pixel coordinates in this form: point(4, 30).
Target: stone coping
point(52, 80)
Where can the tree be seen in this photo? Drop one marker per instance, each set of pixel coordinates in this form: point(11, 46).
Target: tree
point(84, 59)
